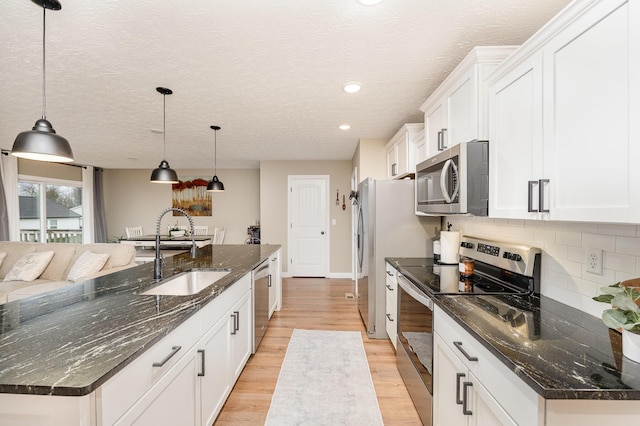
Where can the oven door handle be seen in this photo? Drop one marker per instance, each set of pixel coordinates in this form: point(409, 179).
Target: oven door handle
point(414, 292)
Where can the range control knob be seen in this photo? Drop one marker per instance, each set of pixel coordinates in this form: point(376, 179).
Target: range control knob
point(506, 255)
point(517, 257)
point(465, 244)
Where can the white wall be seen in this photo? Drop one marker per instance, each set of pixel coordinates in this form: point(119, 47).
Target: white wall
point(564, 244)
point(274, 207)
point(131, 200)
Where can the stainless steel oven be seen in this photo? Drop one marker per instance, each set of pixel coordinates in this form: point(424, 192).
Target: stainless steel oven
point(415, 345)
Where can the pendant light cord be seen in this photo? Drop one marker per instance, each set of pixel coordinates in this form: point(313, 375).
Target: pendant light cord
point(44, 67)
point(164, 126)
point(215, 153)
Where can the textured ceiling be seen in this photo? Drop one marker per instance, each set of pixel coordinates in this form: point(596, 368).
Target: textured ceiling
point(269, 72)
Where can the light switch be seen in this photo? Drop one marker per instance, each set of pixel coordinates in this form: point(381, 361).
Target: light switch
point(333, 222)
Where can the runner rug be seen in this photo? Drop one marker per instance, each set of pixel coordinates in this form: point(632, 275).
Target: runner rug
point(324, 380)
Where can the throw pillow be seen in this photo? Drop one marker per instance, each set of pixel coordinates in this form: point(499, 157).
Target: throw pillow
point(88, 263)
point(30, 266)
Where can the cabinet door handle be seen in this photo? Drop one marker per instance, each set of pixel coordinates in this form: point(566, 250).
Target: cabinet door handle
point(237, 314)
point(394, 169)
point(389, 317)
point(201, 352)
point(444, 135)
point(466, 355)
point(541, 183)
point(465, 399)
point(269, 285)
point(389, 287)
point(440, 148)
point(458, 377)
point(174, 350)
point(530, 184)
point(235, 321)
point(390, 273)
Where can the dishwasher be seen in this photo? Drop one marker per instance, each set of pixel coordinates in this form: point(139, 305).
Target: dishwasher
point(261, 284)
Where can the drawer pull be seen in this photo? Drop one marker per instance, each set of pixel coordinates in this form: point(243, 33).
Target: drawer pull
point(466, 355)
point(201, 352)
point(174, 350)
point(389, 317)
point(389, 287)
point(465, 400)
point(390, 273)
point(459, 376)
point(235, 322)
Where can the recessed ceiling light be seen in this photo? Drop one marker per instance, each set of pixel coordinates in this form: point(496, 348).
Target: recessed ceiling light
point(368, 2)
point(351, 87)
point(344, 127)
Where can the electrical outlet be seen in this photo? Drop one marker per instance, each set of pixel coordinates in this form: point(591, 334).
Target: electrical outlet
point(594, 261)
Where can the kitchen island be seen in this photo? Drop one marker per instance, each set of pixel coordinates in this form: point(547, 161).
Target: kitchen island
point(72, 341)
point(567, 362)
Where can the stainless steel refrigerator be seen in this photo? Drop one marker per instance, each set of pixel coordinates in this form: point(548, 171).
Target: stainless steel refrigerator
point(387, 227)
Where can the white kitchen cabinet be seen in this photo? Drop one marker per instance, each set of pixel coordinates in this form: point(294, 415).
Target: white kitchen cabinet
point(457, 110)
point(471, 386)
point(421, 147)
point(223, 351)
point(186, 378)
point(391, 291)
point(562, 124)
point(275, 283)
point(401, 156)
point(515, 150)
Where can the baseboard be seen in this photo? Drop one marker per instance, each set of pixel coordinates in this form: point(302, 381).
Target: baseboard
point(336, 275)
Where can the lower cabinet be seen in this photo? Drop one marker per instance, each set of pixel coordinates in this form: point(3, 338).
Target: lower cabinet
point(182, 379)
point(391, 291)
point(275, 283)
point(471, 386)
point(223, 352)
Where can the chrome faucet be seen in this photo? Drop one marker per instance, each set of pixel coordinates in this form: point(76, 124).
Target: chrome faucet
point(158, 261)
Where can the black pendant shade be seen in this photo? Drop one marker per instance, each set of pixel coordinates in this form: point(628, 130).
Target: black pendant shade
point(215, 185)
point(164, 173)
point(42, 143)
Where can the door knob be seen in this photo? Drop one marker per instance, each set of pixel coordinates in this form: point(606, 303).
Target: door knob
point(321, 232)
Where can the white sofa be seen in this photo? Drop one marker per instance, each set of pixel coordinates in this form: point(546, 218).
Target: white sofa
point(55, 275)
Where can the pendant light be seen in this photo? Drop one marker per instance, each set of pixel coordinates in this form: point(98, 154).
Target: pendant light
point(42, 143)
point(215, 185)
point(164, 173)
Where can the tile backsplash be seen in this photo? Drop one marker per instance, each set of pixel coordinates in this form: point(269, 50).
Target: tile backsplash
point(564, 253)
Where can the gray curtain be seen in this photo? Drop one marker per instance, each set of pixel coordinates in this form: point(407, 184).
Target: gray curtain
point(4, 213)
point(100, 225)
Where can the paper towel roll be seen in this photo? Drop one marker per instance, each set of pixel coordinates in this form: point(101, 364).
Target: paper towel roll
point(449, 244)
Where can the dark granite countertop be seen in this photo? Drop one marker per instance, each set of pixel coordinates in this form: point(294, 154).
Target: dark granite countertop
point(70, 341)
point(559, 351)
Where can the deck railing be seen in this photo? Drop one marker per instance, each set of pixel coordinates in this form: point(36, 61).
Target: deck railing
point(53, 235)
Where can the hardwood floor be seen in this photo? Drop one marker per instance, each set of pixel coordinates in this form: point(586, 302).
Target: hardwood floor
point(314, 304)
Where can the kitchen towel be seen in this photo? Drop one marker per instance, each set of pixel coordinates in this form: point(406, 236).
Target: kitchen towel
point(449, 243)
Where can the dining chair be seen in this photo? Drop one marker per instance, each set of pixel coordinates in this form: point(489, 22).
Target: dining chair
point(133, 231)
point(218, 235)
point(200, 230)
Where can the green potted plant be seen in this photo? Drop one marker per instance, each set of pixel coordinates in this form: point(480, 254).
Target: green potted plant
point(624, 314)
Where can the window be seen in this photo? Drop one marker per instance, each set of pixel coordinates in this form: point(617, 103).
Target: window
point(50, 211)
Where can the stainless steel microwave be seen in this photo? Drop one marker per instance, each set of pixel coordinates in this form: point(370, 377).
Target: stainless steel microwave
point(455, 181)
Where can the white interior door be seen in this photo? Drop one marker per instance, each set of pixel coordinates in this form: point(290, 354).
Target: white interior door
point(308, 226)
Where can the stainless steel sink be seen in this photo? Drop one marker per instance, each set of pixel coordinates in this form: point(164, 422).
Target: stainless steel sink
point(187, 283)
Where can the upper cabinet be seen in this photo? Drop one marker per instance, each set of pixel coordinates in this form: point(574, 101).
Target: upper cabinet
point(457, 110)
point(561, 113)
point(401, 151)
